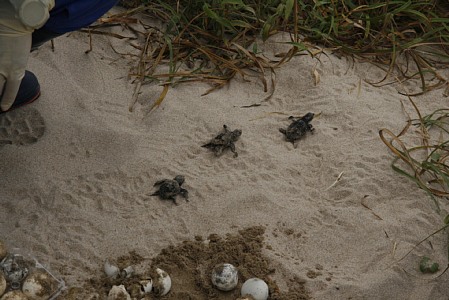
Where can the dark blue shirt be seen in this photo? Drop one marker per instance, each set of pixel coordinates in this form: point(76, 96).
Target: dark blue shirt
point(70, 15)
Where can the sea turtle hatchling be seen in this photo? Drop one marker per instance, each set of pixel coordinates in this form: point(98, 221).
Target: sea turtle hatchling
point(298, 128)
point(170, 188)
point(223, 141)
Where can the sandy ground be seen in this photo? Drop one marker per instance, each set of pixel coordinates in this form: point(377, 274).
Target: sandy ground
point(77, 192)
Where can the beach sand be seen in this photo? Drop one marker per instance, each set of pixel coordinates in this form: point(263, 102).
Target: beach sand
point(77, 178)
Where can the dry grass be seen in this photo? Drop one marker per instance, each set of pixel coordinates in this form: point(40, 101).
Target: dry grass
point(213, 41)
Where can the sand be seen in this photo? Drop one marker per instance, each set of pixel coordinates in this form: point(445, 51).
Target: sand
point(79, 170)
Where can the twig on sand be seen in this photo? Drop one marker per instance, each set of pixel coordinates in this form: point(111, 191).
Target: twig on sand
point(370, 209)
point(336, 181)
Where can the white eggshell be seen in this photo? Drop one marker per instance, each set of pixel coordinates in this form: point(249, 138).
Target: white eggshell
point(255, 287)
point(2, 284)
point(161, 283)
point(135, 290)
point(147, 285)
point(111, 270)
point(225, 277)
point(118, 292)
point(3, 250)
point(127, 272)
point(14, 295)
point(39, 285)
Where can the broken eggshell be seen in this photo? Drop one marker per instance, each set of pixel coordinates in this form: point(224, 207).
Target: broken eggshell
point(118, 292)
point(15, 269)
point(127, 272)
point(111, 270)
point(141, 288)
point(39, 285)
point(147, 285)
point(161, 283)
point(135, 290)
point(225, 277)
point(14, 295)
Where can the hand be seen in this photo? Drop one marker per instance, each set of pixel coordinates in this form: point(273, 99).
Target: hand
point(14, 51)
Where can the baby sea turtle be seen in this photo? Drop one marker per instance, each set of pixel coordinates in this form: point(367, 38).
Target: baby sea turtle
point(223, 141)
point(298, 128)
point(170, 188)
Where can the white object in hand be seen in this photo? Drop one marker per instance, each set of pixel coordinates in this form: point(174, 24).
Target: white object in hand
point(33, 13)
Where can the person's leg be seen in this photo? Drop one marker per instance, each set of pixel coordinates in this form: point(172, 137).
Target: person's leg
point(30, 89)
point(65, 17)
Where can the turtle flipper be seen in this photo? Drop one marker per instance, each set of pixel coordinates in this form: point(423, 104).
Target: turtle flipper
point(232, 147)
point(159, 182)
point(218, 150)
point(282, 130)
point(156, 194)
point(310, 128)
point(172, 198)
point(184, 193)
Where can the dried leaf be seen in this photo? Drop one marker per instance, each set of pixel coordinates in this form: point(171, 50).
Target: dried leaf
point(316, 76)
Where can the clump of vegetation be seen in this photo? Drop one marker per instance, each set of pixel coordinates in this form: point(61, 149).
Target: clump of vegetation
point(425, 164)
point(426, 265)
point(214, 40)
point(218, 38)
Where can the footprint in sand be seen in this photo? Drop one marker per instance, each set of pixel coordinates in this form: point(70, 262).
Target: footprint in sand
point(21, 127)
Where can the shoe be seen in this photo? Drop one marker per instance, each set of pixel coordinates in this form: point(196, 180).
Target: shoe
point(29, 91)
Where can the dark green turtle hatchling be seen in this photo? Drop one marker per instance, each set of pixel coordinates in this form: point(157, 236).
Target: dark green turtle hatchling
point(298, 128)
point(170, 188)
point(224, 141)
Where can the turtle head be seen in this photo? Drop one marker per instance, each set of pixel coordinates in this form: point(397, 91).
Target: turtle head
point(308, 117)
point(236, 133)
point(179, 179)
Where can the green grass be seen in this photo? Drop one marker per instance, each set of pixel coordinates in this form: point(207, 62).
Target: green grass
point(425, 164)
point(225, 32)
